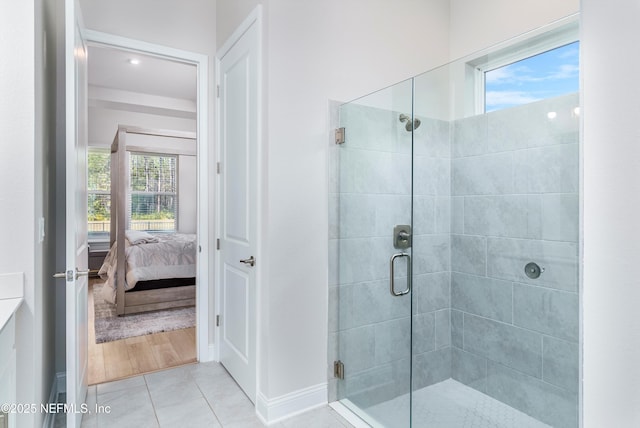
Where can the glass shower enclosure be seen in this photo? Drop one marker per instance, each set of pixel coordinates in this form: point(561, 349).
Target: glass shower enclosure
point(454, 233)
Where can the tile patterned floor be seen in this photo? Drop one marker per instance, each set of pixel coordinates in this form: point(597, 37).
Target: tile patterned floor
point(450, 404)
point(197, 395)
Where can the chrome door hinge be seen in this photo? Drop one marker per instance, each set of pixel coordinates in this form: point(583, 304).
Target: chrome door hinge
point(218, 167)
point(218, 244)
point(340, 132)
point(217, 320)
point(338, 369)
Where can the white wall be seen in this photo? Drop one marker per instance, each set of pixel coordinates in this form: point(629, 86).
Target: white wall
point(611, 136)
point(319, 51)
point(477, 25)
point(231, 13)
point(17, 182)
point(187, 202)
point(104, 122)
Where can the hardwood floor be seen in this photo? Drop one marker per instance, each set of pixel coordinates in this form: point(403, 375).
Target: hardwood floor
point(137, 355)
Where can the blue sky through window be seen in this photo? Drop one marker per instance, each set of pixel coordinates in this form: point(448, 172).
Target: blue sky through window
point(545, 75)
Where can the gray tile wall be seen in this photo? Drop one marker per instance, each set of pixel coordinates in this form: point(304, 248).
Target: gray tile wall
point(431, 253)
point(515, 200)
point(370, 194)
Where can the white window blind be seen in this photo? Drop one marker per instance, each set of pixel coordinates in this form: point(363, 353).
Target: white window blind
point(153, 192)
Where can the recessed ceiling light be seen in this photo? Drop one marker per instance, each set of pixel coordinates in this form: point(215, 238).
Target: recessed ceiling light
point(134, 61)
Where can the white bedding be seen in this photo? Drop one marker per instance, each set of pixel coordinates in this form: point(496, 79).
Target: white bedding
point(172, 256)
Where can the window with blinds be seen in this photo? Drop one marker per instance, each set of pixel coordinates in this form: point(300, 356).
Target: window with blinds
point(99, 194)
point(153, 192)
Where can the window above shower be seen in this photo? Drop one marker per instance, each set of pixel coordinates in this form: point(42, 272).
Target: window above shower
point(546, 75)
point(541, 67)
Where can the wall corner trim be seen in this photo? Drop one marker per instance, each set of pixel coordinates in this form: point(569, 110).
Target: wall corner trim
point(271, 411)
point(211, 354)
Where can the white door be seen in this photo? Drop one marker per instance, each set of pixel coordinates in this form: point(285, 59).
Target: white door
point(239, 124)
point(76, 210)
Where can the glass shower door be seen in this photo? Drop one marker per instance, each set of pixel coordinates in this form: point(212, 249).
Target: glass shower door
point(372, 249)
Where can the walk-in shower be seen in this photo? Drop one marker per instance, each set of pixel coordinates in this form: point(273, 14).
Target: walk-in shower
point(454, 254)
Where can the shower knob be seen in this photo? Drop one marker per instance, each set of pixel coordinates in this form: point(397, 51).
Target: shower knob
point(532, 270)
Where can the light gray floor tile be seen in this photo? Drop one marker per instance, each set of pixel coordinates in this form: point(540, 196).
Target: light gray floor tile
point(185, 391)
point(120, 385)
point(92, 396)
point(323, 417)
point(207, 370)
point(249, 422)
point(219, 389)
point(88, 421)
point(232, 408)
point(130, 408)
point(199, 395)
point(195, 413)
point(166, 378)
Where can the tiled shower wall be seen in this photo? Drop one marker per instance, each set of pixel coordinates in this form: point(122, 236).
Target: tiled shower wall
point(431, 253)
point(515, 184)
point(370, 331)
point(491, 193)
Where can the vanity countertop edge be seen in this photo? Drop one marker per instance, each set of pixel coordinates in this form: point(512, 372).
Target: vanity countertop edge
point(11, 295)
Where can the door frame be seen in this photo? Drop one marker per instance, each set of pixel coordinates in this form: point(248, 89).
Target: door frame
point(201, 61)
point(254, 18)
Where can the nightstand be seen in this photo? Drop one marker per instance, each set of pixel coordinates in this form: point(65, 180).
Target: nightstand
point(97, 252)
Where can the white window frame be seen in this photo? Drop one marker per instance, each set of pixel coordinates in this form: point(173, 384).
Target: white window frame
point(92, 237)
point(537, 43)
point(177, 192)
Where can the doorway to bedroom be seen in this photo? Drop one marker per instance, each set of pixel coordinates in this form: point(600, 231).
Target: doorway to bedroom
point(142, 190)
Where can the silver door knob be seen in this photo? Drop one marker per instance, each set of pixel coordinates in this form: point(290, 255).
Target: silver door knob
point(250, 261)
point(80, 273)
point(69, 275)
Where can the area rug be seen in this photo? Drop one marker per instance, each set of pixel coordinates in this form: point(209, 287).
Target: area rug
point(109, 326)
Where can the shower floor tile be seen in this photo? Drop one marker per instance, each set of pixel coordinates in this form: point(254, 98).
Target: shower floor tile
point(450, 404)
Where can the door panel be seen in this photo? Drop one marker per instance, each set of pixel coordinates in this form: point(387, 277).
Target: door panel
point(76, 211)
point(237, 116)
point(238, 208)
point(236, 291)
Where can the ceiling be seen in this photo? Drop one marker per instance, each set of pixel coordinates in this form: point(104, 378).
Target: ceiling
point(110, 68)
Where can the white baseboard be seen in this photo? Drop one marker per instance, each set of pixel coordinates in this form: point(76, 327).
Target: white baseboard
point(211, 355)
point(288, 405)
point(58, 386)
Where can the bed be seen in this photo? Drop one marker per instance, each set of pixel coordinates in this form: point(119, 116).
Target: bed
point(151, 271)
point(153, 262)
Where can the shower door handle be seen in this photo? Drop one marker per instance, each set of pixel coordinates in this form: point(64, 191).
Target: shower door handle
point(392, 288)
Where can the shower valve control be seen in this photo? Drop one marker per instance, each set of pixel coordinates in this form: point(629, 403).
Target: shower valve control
point(402, 236)
point(533, 271)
